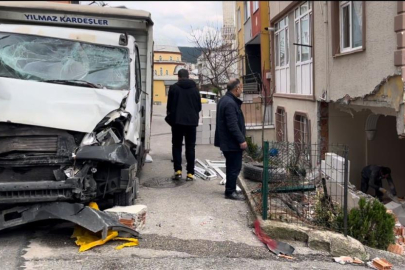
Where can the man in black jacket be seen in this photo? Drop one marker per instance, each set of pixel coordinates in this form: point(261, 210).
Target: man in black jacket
point(372, 176)
point(230, 135)
point(183, 108)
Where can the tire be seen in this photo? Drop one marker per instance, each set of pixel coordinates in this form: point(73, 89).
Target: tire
point(254, 173)
point(125, 198)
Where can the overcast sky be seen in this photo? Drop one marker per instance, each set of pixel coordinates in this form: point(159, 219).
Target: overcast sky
point(173, 20)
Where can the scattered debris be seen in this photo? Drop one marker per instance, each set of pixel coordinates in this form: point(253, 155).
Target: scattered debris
point(148, 159)
point(274, 246)
point(87, 239)
point(216, 166)
point(87, 217)
point(345, 259)
point(399, 231)
point(286, 257)
point(380, 264)
point(133, 216)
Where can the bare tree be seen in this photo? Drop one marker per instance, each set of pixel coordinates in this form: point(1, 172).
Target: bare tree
point(218, 57)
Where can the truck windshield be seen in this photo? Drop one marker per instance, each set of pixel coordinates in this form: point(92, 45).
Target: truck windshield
point(53, 60)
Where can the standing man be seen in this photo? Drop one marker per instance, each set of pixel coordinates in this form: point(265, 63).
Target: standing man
point(183, 108)
point(372, 176)
point(230, 135)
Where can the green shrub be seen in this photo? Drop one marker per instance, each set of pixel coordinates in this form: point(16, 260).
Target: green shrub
point(328, 215)
point(253, 149)
point(371, 224)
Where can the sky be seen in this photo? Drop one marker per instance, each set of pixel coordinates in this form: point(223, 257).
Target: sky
point(174, 20)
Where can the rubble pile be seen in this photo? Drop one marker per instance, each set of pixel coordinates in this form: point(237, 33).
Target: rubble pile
point(399, 231)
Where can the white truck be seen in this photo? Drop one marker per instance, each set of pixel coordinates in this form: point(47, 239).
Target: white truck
point(75, 102)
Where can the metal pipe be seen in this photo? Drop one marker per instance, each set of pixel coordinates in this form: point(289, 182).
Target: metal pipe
point(265, 180)
point(346, 189)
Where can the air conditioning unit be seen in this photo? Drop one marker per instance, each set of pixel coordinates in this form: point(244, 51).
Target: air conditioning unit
point(268, 75)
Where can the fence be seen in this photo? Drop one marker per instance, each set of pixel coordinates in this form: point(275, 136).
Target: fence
point(298, 187)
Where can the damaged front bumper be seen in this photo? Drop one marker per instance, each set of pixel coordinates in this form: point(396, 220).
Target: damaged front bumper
point(84, 216)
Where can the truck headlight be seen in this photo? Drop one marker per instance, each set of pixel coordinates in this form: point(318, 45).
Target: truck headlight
point(89, 139)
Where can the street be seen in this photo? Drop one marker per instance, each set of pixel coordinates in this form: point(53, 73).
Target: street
point(189, 226)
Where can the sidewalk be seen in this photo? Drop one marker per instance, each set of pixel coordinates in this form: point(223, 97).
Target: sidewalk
point(196, 210)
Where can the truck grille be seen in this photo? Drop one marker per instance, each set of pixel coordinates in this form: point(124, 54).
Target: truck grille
point(40, 144)
point(35, 195)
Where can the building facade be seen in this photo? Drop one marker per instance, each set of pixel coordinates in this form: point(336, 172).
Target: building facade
point(166, 63)
point(338, 70)
point(253, 45)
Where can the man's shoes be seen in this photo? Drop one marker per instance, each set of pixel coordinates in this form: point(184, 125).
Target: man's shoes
point(177, 175)
point(235, 196)
point(190, 177)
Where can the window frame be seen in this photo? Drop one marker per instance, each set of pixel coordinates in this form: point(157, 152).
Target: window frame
point(280, 68)
point(343, 4)
point(246, 10)
point(161, 71)
point(238, 19)
point(303, 138)
point(281, 124)
point(160, 58)
point(255, 6)
point(138, 75)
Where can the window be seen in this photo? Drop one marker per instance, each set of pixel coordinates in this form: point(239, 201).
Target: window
point(161, 71)
point(302, 130)
point(178, 59)
point(138, 79)
point(160, 58)
point(282, 60)
point(171, 58)
point(155, 72)
point(167, 72)
point(238, 21)
point(303, 52)
point(247, 10)
point(351, 25)
point(281, 125)
point(255, 5)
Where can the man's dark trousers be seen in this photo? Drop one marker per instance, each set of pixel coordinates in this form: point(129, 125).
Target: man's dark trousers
point(189, 133)
point(233, 167)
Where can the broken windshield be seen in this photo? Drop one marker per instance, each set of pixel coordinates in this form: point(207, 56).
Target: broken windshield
point(28, 57)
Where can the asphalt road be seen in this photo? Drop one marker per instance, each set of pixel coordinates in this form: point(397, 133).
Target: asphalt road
point(190, 226)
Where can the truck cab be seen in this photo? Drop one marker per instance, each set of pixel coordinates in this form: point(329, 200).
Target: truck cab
point(75, 102)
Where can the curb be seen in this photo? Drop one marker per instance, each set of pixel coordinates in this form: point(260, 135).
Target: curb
point(334, 243)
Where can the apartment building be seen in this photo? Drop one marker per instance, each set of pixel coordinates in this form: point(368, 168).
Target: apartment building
point(338, 70)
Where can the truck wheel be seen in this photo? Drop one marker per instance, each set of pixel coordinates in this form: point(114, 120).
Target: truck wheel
point(125, 198)
point(254, 173)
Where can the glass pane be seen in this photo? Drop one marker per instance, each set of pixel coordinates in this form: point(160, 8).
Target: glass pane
point(282, 48)
point(276, 51)
point(282, 23)
point(345, 27)
point(276, 26)
point(309, 4)
point(304, 8)
point(305, 38)
point(287, 51)
point(297, 40)
point(297, 13)
point(357, 21)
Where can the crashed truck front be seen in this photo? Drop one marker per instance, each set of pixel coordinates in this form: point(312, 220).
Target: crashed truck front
point(71, 115)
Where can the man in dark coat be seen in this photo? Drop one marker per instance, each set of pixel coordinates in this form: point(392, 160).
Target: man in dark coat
point(230, 135)
point(183, 108)
point(372, 176)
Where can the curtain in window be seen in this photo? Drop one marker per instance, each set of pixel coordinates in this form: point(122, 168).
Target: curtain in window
point(357, 20)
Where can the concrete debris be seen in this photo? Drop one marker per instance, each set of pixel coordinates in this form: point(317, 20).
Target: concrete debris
point(380, 264)
point(344, 259)
point(148, 159)
point(133, 216)
point(399, 231)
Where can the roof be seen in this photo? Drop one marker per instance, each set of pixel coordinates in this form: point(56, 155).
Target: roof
point(166, 48)
point(78, 9)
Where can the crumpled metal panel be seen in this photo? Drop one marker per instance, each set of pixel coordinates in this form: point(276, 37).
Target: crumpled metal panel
point(115, 153)
point(84, 216)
